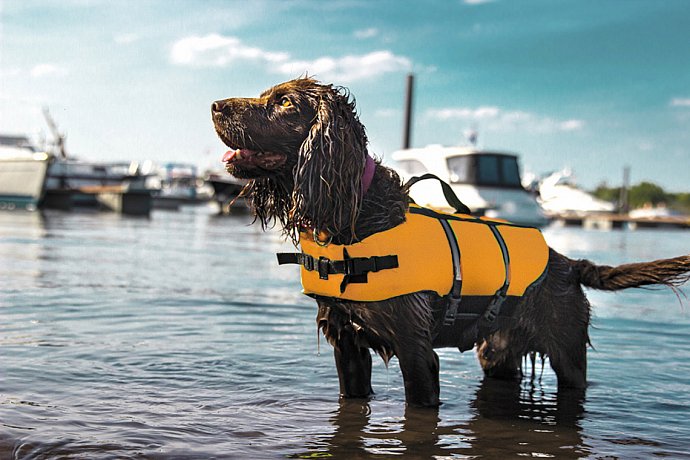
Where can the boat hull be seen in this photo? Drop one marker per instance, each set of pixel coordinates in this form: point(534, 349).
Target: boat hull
point(22, 183)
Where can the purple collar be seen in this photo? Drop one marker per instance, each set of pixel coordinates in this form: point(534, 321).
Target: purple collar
point(368, 175)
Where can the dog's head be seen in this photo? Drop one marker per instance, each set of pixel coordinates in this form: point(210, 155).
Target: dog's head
point(305, 150)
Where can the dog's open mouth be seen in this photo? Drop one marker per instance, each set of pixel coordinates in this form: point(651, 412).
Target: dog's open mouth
point(253, 159)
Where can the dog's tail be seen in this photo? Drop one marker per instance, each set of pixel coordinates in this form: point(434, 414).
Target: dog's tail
point(668, 272)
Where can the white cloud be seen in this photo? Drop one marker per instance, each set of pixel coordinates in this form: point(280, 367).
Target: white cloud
point(646, 146)
point(348, 68)
point(47, 70)
point(366, 33)
point(10, 72)
point(476, 2)
point(464, 113)
point(220, 51)
point(126, 39)
point(496, 119)
point(571, 125)
point(680, 102)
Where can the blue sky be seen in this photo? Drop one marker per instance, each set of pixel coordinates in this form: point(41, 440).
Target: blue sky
point(590, 85)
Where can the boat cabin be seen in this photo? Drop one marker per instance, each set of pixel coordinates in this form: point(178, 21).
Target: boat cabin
point(476, 168)
point(488, 182)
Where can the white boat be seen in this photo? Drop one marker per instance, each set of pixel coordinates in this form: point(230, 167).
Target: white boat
point(559, 195)
point(74, 174)
point(649, 211)
point(487, 182)
point(23, 171)
point(179, 184)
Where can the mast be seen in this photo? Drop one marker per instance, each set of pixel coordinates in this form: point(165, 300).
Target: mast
point(59, 137)
point(407, 130)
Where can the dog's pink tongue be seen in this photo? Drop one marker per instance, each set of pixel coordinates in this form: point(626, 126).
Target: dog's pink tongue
point(229, 155)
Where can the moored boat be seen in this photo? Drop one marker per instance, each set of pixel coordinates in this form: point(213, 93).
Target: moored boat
point(23, 169)
point(488, 182)
point(179, 184)
point(559, 196)
point(226, 191)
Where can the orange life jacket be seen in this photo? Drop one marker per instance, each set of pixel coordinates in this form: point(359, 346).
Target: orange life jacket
point(430, 251)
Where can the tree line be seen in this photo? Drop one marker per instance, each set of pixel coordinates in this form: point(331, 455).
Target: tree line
point(645, 193)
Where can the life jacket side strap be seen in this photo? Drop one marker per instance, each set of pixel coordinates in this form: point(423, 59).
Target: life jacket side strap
point(454, 295)
point(487, 320)
point(355, 269)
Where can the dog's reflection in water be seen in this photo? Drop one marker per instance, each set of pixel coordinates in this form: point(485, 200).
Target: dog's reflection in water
point(506, 418)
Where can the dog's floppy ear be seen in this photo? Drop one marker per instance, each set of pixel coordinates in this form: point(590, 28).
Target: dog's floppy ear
point(327, 193)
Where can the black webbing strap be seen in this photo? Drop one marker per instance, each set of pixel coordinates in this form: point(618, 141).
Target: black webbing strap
point(451, 310)
point(355, 269)
point(448, 193)
point(487, 320)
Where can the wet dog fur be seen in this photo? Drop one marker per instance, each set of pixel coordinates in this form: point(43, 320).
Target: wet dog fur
point(303, 149)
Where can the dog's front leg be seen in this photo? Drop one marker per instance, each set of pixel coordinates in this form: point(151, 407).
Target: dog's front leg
point(352, 360)
point(354, 365)
point(420, 367)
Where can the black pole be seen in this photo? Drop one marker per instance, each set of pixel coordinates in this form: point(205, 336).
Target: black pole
point(407, 130)
point(623, 200)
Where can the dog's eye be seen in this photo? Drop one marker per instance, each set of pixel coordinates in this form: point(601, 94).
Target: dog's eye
point(285, 102)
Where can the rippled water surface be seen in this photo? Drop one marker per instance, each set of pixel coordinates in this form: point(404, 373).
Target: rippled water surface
point(179, 336)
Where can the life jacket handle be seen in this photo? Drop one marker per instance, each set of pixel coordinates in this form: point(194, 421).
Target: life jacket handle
point(450, 196)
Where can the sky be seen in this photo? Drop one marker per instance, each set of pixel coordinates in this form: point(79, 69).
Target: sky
point(593, 86)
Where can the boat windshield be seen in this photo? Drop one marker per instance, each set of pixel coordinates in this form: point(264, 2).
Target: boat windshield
point(485, 169)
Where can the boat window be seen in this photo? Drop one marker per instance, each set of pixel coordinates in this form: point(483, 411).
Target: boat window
point(412, 166)
point(511, 171)
point(459, 168)
point(487, 170)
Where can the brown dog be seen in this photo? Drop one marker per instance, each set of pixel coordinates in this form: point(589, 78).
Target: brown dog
point(305, 151)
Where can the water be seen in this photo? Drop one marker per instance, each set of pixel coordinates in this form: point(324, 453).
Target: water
point(179, 336)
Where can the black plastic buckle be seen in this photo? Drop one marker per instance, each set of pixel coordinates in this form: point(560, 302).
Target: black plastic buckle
point(494, 307)
point(490, 315)
point(323, 264)
point(451, 311)
point(308, 262)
